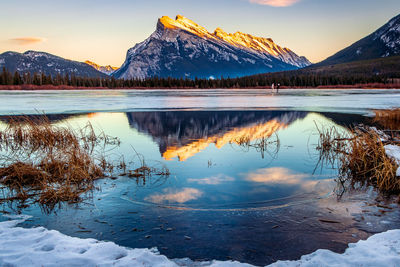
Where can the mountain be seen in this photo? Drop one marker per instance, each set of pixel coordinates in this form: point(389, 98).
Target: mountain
point(40, 62)
point(384, 42)
point(182, 48)
point(104, 69)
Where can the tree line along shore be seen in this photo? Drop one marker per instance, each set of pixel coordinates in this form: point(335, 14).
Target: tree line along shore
point(292, 79)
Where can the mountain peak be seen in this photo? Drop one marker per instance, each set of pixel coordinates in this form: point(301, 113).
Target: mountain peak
point(182, 48)
point(384, 42)
point(104, 69)
point(183, 23)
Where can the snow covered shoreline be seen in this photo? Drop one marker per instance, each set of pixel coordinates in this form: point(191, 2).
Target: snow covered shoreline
point(42, 247)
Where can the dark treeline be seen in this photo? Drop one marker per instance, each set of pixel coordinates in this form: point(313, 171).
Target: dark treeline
point(288, 79)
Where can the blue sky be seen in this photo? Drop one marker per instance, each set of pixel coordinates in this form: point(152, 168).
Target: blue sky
point(102, 31)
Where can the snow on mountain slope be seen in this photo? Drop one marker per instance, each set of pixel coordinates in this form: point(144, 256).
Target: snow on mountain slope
point(104, 69)
point(41, 62)
point(384, 42)
point(182, 48)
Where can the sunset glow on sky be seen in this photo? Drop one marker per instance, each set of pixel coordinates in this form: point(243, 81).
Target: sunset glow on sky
point(102, 31)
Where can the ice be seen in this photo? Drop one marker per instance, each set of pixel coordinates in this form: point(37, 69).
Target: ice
point(393, 152)
point(83, 101)
point(41, 247)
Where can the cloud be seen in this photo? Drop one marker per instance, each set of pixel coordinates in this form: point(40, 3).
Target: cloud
point(175, 196)
point(275, 176)
point(27, 40)
point(213, 180)
point(275, 3)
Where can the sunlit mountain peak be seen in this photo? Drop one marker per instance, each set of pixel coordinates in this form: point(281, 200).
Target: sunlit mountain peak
point(238, 39)
point(105, 69)
point(183, 23)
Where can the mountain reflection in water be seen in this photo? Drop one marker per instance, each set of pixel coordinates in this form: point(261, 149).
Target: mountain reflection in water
point(183, 134)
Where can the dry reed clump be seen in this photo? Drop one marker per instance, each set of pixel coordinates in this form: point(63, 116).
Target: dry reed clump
point(389, 119)
point(361, 157)
point(366, 162)
point(49, 164)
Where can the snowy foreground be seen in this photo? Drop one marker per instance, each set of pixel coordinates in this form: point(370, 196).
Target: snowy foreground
point(42, 247)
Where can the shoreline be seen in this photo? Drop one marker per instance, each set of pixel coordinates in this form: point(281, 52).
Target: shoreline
point(29, 87)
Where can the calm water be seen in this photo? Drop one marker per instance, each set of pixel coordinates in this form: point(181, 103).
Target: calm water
point(229, 195)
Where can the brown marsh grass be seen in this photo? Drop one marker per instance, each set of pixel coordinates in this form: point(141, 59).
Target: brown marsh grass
point(49, 164)
point(366, 162)
point(361, 158)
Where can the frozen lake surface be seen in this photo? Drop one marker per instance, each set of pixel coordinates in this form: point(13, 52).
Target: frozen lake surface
point(78, 101)
point(246, 182)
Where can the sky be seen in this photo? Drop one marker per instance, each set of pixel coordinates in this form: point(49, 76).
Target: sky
point(103, 30)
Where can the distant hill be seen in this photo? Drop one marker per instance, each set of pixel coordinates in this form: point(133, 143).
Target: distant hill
point(385, 42)
point(181, 48)
point(387, 66)
point(41, 62)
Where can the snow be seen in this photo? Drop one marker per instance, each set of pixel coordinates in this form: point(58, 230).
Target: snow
point(41, 247)
point(394, 152)
point(148, 54)
point(379, 250)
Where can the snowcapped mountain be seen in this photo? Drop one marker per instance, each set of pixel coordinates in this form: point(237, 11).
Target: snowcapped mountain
point(104, 69)
point(385, 42)
point(40, 62)
point(182, 48)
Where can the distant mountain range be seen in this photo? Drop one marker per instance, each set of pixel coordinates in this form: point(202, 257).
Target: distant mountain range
point(40, 62)
point(104, 69)
point(385, 42)
point(182, 48)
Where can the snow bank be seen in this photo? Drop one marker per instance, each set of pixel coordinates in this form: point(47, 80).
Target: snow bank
point(379, 250)
point(42, 247)
point(394, 152)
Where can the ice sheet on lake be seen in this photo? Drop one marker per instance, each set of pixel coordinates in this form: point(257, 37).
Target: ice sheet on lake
point(83, 101)
point(41, 247)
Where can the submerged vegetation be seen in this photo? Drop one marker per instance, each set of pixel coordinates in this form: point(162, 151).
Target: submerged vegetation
point(48, 164)
point(361, 153)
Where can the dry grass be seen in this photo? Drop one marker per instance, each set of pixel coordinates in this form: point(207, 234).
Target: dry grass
point(388, 119)
point(361, 158)
point(49, 164)
point(266, 145)
point(366, 162)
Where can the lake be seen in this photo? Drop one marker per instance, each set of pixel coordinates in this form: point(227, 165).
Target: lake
point(246, 181)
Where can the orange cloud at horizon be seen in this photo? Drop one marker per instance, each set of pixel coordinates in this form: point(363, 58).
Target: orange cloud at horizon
point(27, 40)
point(275, 3)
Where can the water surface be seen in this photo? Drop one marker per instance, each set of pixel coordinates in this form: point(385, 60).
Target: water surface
point(244, 185)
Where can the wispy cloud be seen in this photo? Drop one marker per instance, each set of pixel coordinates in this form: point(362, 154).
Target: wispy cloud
point(275, 176)
point(213, 180)
point(27, 40)
point(275, 3)
point(175, 196)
